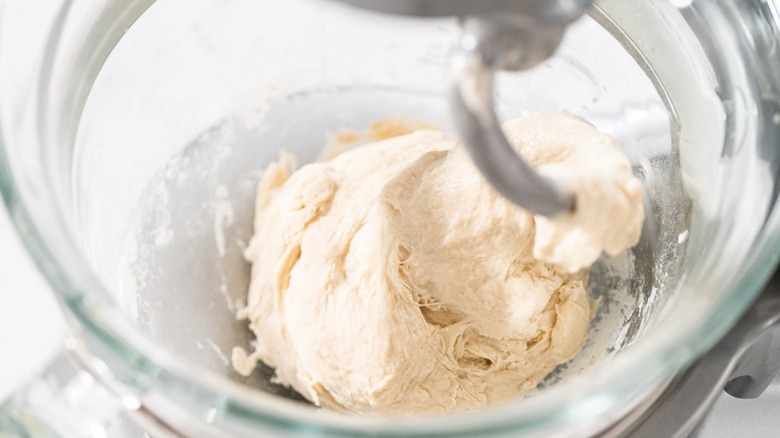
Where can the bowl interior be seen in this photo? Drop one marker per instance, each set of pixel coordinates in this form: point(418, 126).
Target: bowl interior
point(167, 166)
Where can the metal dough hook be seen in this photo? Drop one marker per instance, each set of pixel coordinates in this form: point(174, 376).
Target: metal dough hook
point(497, 35)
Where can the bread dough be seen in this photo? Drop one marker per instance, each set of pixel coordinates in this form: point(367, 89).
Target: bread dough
point(394, 279)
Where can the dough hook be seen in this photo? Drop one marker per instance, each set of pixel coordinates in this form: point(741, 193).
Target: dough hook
point(497, 35)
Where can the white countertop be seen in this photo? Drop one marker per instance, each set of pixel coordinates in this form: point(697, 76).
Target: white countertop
point(32, 330)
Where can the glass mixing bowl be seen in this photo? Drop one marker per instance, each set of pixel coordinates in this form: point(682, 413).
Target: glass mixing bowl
point(133, 134)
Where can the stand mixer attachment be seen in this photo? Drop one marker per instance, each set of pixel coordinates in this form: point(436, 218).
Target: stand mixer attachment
point(497, 35)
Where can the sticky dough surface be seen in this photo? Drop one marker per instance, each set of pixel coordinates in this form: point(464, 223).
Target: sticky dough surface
point(394, 279)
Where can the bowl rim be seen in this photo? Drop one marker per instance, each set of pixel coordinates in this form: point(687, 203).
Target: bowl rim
point(635, 372)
